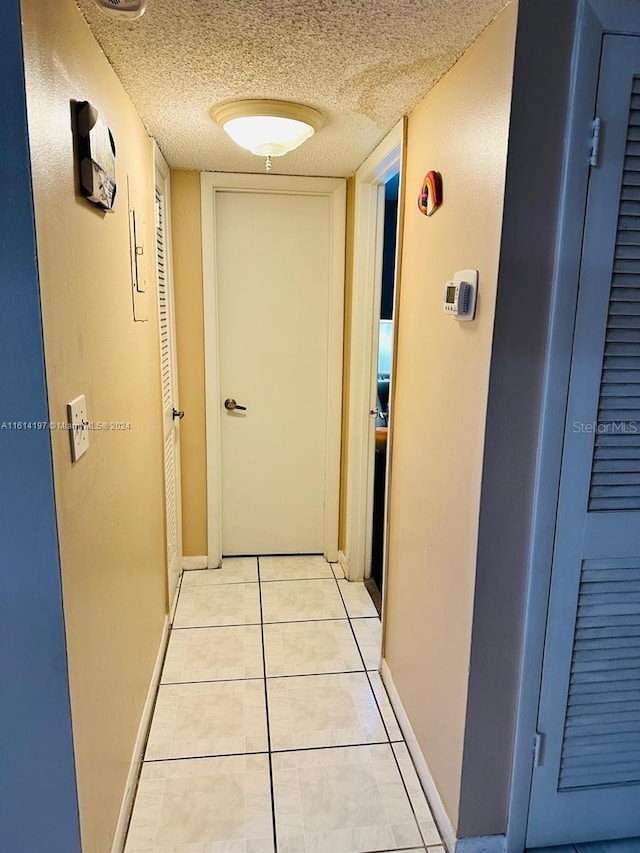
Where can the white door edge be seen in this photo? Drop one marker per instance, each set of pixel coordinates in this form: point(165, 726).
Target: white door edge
point(212, 378)
point(382, 163)
point(335, 190)
point(161, 167)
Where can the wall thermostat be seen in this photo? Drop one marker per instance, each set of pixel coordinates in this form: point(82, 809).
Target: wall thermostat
point(460, 295)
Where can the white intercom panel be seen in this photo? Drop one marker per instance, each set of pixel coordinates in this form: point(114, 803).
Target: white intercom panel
point(460, 295)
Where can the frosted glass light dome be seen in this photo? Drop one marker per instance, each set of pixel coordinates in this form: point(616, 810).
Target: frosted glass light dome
point(268, 128)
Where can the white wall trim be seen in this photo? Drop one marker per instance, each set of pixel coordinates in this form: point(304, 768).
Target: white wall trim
point(189, 563)
point(131, 785)
point(335, 347)
point(212, 378)
point(335, 190)
point(384, 162)
point(424, 773)
point(344, 563)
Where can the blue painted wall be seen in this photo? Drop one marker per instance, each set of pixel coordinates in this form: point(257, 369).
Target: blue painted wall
point(38, 800)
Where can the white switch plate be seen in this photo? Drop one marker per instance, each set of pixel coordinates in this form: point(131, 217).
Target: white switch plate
point(79, 427)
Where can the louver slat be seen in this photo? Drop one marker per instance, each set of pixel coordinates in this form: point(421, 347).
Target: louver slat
point(601, 743)
point(162, 301)
point(169, 457)
point(588, 700)
point(165, 357)
point(626, 294)
point(615, 471)
point(601, 757)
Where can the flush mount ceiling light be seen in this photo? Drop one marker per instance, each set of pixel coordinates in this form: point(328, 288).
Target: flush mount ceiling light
point(268, 128)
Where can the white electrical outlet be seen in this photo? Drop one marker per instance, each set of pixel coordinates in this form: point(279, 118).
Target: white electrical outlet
point(78, 427)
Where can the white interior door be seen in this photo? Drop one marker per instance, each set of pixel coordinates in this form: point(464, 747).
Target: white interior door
point(279, 280)
point(171, 419)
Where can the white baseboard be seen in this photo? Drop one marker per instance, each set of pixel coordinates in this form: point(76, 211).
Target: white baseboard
point(138, 749)
point(189, 563)
point(345, 563)
point(422, 768)
point(481, 844)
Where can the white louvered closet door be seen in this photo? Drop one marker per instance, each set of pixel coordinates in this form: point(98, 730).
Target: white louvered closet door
point(587, 784)
point(171, 429)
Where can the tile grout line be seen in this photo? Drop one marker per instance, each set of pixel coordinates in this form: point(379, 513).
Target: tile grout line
point(174, 606)
point(257, 624)
point(298, 555)
point(281, 622)
point(265, 752)
point(209, 681)
point(260, 677)
point(403, 849)
point(270, 580)
point(393, 752)
point(266, 707)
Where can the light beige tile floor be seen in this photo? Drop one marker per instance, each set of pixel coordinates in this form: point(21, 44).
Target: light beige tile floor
point(294, 568)
point(338, 571)
point(294, 601)
point(272, 729)
point(208, 718)
point(212, 804)
point(356, 599)
point(323, 710)
point(341, 800)
point(369, 637)
point(227, 604)
point(233, 570)
point(214, 654)
point(308, 648)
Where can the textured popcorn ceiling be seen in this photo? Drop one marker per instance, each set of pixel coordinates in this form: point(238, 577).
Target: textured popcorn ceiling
point(362, 63)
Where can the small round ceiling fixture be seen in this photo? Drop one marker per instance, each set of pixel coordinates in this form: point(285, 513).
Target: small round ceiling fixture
point(268, 128)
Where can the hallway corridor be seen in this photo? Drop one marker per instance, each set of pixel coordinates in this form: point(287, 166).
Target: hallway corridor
point(272, 721)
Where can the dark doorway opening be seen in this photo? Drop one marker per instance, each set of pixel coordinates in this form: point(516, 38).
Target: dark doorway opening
point(385, 349)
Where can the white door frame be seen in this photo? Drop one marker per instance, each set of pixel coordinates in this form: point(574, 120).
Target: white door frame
point(162, 167)
point(382, 164)
point(334, 189)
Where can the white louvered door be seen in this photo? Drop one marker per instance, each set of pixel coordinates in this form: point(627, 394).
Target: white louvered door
point(587, 784)
point(171, 428)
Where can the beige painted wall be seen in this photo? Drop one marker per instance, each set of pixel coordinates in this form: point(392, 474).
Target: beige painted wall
point(441, 386)
point(110, 504)
point(186, 229)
